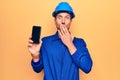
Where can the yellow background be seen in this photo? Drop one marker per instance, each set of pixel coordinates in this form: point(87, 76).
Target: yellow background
point(97, 21)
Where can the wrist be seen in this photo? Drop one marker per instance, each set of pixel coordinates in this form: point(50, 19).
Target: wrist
point(35, 59)
point(71, 48)
point(69, 44)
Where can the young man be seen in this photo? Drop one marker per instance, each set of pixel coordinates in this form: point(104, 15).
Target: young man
point(61, 55)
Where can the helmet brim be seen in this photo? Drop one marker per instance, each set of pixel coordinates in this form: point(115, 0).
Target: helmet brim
point(54, 14)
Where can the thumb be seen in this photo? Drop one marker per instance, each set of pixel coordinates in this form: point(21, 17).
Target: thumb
point(72, 36)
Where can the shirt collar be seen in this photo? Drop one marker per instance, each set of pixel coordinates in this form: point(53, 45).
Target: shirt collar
point(56, 37)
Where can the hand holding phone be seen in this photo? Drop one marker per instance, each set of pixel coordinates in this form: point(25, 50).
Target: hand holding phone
point(36, 31)
point(34, 44)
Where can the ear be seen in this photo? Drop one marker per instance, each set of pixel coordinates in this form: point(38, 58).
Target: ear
point(54, 20)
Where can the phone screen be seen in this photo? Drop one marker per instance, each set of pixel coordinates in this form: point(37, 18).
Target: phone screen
point(36, 31)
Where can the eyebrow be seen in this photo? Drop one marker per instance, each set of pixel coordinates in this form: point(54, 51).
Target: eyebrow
point(65, 16)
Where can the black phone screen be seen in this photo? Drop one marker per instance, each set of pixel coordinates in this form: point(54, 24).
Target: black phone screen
point(36, 31)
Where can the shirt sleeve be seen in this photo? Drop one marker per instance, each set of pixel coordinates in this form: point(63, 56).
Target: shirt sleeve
point(82, 57)
point(38, 66)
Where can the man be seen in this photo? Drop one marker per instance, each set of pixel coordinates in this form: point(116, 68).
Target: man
point(61, 55)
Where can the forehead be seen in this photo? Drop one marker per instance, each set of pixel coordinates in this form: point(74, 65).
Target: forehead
point(63, 14)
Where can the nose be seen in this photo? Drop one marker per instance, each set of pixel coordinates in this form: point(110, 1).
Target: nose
point(63, 21)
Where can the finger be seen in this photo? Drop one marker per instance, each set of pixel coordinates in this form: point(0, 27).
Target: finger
point(62, 27)
point(60, 34)
point(30, 41)
point(72, 36)
point(61, 30)
point(66, 30)
point(30, 45)
point(40, 42)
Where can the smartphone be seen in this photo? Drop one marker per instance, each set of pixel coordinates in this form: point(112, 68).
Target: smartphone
point(36, 31)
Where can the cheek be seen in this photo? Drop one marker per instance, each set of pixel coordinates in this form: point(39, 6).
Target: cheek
point(68, 24)
point(57, 24)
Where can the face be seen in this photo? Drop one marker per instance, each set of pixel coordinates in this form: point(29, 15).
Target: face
point(63, 19)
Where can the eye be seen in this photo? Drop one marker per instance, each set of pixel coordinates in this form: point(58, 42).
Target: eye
point(59, 17)
point(67, 17)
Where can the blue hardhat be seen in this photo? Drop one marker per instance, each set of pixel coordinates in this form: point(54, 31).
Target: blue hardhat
point(63, 7)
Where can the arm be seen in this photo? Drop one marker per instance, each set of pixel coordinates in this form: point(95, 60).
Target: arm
point(78, 50)
point(36, 53)
point(37, 66)
point(81, 57)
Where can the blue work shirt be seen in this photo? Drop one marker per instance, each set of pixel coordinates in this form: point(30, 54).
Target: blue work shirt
point(58, 63)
